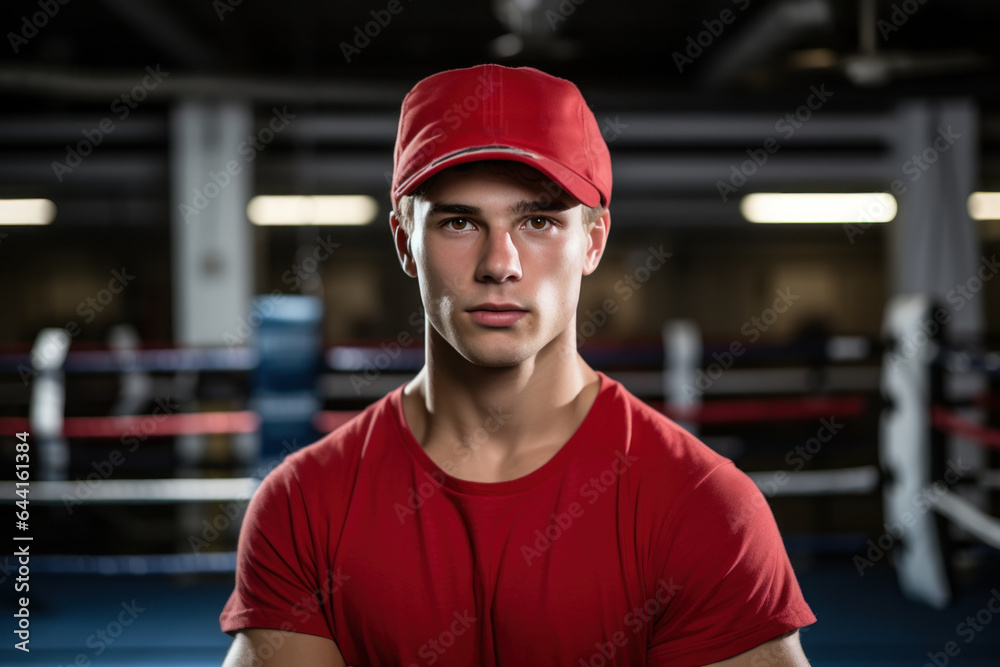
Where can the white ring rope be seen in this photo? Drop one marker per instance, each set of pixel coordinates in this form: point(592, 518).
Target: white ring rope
point(136, 491)
point(969, 517)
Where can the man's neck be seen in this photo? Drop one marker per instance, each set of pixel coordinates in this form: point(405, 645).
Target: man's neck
point(486, 420)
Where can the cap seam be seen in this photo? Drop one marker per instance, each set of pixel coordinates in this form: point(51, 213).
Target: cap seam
point(496, 106)
point(586, 140)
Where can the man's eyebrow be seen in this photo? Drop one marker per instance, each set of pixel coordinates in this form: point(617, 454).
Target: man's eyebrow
point(439, 208)
point(526, 206)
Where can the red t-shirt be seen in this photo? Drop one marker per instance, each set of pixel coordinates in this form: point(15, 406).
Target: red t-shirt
point(635, 544)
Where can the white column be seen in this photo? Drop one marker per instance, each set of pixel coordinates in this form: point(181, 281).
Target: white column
point(211, 182)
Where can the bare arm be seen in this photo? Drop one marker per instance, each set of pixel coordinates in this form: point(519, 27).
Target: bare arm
point(783, 651)
point(257, 647)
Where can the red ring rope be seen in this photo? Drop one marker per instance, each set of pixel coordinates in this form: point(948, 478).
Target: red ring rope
point(161, 425)
point(947, 420)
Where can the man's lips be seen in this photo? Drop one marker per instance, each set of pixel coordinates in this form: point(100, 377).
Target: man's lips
point(497, 314)
point(497, 307)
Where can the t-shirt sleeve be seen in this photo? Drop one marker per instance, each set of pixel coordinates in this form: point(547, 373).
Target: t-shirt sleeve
point(734, 587)
point(277, 581)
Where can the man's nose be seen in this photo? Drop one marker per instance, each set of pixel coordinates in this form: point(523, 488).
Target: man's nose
point(500, 260)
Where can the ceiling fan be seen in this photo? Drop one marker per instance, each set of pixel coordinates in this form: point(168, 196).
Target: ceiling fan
point(871, 67)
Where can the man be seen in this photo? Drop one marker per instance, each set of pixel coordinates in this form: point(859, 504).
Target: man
point(510, 505)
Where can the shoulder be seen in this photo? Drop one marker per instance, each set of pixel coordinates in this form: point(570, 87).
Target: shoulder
point(672, 468)
point(666, 449)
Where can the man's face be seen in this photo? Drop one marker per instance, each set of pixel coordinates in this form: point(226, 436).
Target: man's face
point(499, 261)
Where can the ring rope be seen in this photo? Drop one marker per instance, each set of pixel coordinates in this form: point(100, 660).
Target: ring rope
point(947, 421)
point(164, 425)
point(144, 491)
point(966, 515)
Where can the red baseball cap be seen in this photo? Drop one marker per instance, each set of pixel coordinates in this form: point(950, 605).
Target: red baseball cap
point(492, 112)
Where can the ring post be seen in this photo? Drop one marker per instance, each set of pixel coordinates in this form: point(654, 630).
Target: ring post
point(906, 450)
point(682, 359)
point(48, 402)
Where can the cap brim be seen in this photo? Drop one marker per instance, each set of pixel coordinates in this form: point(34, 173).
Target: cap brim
point(568, 180)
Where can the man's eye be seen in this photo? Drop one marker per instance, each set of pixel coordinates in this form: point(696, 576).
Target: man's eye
point(458, 224)
point(539, 223)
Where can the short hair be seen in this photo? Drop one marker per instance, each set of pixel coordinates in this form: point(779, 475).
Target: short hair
point(516, 170)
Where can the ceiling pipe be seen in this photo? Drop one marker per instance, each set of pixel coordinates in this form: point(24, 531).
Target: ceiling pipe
point(74, 85)
point(770, 32)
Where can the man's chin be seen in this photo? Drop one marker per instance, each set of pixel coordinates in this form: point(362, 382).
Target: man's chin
point(493, 357)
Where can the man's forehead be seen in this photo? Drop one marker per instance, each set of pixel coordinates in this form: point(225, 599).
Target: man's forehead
point(543, 193)
point(451, 206)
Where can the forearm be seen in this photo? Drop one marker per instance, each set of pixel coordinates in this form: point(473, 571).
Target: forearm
point(258, 647)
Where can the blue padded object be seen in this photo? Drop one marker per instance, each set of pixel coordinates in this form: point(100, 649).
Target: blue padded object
point(288, 341)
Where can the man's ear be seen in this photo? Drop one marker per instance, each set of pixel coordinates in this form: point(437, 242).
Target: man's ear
point(402, 241)
point(597, 241)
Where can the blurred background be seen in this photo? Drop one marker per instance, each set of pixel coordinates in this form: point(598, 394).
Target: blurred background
point(199, 279)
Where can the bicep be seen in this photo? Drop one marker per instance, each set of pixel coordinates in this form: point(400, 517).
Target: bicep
point(257, 647)
point(782, 651)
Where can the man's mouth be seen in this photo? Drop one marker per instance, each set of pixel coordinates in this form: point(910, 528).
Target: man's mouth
point(498, 307)
point(497, 314)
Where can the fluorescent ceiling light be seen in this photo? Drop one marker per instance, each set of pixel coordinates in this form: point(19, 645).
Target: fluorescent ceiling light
point(984, 205)
point(312, 210)
point(27, 211)
point(819, 207)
